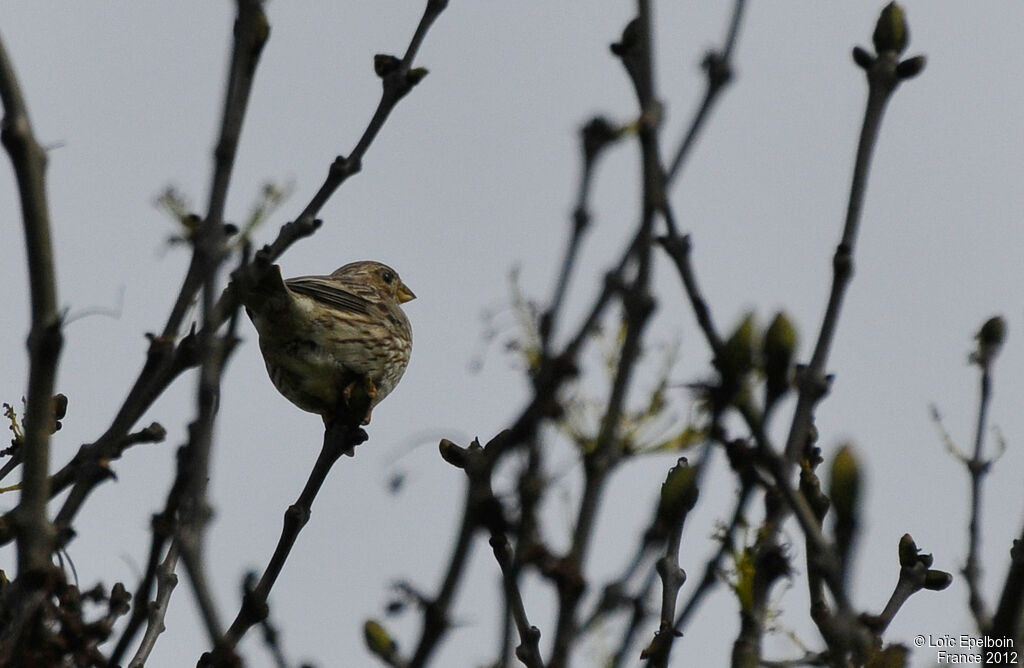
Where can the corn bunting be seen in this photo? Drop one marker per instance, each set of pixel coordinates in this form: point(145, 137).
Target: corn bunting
point(321, 336)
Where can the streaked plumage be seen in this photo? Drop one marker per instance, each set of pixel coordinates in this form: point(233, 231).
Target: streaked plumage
point(321, 334)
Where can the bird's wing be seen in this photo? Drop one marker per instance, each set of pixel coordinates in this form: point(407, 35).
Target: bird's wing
point(327, 291)
point(266, 293)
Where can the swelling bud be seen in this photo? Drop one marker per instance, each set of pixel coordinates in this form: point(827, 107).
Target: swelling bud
point(738, 352)
point(678, 493)
point(990, 340)
point(845, 483)
point(378, 640)
point(777, 354)
point(891, 31)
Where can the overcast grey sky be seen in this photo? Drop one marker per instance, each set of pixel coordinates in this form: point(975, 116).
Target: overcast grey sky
point(475, 173)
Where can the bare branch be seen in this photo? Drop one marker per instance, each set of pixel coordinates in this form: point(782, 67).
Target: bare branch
point(1006, 622)
point(977, 467)
point(883, 75)
point(166, 581)
point(340, 437)
point(398, 78)
point(718, 69)
point(251, 31)
point(678, 496)
point(34, 531)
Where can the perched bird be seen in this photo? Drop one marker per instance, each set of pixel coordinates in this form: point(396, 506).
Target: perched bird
point(322, 336)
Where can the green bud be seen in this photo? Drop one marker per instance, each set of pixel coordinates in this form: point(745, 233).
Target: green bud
point(378, 640)
point(262, 31)
point(777, 352)
point(678, 493)
point(845, 483)
point(990, 338)
point(908, 551)
point(891, 31)
point(737, 359)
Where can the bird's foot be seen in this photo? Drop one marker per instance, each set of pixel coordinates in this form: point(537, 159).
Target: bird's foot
point(360, 389)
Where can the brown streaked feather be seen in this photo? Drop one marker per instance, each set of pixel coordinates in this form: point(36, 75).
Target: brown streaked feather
point(327, 291)
point(321, 334)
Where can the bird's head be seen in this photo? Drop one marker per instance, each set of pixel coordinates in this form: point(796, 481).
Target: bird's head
point(376, 275)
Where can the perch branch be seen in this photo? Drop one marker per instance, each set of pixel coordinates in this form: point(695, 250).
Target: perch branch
point(340, 437)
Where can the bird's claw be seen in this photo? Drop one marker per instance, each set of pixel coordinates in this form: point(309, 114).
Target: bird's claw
point(371, 393)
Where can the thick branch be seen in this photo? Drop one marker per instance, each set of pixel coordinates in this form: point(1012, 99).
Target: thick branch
point(34, 531)
point(1007, 620)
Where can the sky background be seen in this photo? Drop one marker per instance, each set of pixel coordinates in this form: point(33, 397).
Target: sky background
point(475, 174)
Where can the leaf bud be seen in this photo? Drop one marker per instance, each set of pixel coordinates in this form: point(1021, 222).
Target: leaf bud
point(845, 483)
point(891, 31)
point(378, 640)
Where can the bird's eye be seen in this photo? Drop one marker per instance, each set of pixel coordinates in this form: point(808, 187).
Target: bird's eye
point(387, 276)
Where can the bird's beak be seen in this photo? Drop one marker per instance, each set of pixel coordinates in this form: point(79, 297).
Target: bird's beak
point(405, 294)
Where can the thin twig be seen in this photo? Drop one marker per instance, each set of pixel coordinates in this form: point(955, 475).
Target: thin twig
point(977, 468)
point(595, 136)
point(250, 35)
point(435, 610)
point(166, 581)
point(271, 637)
point(713, 565)
point(678, 249)
point(672, 579)
point(915, 574)
point(597, 465)
point(635, 52)
point(339, 438)
point(813, 384)
point(163, 528)
point(638, 616)
point(398, 80)
point(209, 252)
point(529, 490)
point(529, 648)
point(718, 68)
